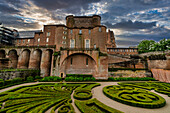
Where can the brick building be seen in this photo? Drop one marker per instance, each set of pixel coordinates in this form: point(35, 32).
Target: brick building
point(79, 32)
point(79, 47)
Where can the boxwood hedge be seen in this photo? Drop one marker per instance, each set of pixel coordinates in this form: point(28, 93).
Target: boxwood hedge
point(94, 106)
point(134, 96)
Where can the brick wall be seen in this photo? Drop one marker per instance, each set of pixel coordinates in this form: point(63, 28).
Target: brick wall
point(122, 51)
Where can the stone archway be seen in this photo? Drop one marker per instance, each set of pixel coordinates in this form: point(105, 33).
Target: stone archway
point(46, 62)
point(13, 58)
point(79, 63)
point(23, 61)
point(35, 59)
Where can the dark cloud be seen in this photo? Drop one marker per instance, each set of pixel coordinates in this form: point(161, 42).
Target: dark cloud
point(126, 43)
point(148, 2)
point(131, 25)
point(5, 8)
point(16, 22)
point(16, 3)
point(156, 33)
point(64, 4)
point(124, 7)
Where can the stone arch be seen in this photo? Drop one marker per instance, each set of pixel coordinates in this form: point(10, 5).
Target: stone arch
point(12, 54)
point(79, 63)
point(2, 54)
point(46, 62)
point(23, 61)
point(35, 59)
point(75, 54)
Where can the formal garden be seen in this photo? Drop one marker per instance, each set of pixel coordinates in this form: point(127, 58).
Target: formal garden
point(73, 97)
point(55, 96)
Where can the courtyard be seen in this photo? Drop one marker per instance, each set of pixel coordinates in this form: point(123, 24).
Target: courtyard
point(92, 97)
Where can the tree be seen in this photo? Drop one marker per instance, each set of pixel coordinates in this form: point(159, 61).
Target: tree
point(163, 44)
point(146, 45)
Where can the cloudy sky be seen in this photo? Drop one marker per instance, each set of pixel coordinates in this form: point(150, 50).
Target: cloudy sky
point(131, 20)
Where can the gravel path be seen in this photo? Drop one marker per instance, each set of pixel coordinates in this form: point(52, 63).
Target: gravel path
point(75, 108)
point(97, 93)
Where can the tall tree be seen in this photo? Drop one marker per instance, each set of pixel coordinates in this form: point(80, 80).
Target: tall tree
point(146, 45)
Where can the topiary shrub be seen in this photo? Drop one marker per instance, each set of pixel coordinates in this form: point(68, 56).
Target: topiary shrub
point(1, 83)
point(82, 94)
point(51, 79)
point(38, 77)
point(134, 96)
point(79, 79)
point(30, 79)
point(67, 108)
point(94, 106)
point(130, 79)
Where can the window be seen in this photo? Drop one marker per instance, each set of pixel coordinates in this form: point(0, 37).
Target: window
point(38, 39)
point(80, 31)
point(72, 43)
point(48, 28)
point(94, 46)
point(100, 29)
point(63, 42)
point(47, 40)
point(71, 31)
point(89, 31)
point(87, 43)
point(48, 33)
point(71, 62)
point(64, 32)
point(23, 41)
point(28, 40)
point(46, 44)
point(64, 37)
point(86, 61)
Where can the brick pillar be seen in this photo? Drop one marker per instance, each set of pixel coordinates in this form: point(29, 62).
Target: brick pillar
point(35, 59)
point(45, 63)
